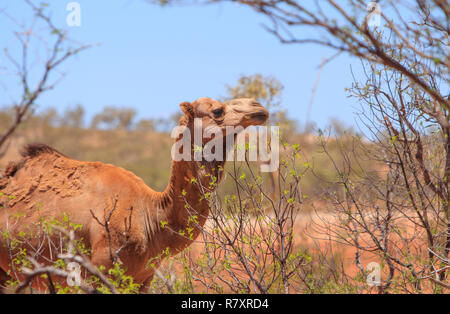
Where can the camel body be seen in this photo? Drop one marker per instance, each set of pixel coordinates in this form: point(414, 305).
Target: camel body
point(47, 187)
point(82, 188)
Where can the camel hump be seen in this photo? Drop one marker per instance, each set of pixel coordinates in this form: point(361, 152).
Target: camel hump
point(36, 149)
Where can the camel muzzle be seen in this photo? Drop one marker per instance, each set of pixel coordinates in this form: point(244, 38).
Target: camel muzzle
point(259, 117)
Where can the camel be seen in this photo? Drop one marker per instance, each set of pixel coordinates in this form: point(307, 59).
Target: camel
point(142, 223)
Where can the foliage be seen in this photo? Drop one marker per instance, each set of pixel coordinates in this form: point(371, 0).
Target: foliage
point(266, 90)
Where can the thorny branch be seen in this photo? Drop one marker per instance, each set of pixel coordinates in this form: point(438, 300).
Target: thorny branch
point(58, 53)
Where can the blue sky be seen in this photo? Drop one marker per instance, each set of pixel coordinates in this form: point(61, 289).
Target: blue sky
point(152, 58)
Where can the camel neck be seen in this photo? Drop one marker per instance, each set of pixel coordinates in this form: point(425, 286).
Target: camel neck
point(183, 200)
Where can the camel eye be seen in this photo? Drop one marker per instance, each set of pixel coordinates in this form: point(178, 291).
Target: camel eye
point(217, 113)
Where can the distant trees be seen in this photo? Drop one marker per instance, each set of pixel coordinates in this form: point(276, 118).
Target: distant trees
point(114, 118)
point(265, 89)
point(109, 118)
point(74, 117)
point(146, 125)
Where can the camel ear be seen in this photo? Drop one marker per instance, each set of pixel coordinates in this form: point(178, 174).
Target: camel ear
point(187, 109)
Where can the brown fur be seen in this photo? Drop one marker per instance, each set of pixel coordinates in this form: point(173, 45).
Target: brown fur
point(33, 150)
point(47, 185)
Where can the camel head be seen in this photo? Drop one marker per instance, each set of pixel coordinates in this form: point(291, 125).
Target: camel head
point(242, 112)
point(219, 120)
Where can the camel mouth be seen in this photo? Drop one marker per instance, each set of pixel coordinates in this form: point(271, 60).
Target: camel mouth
point(259, 117)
